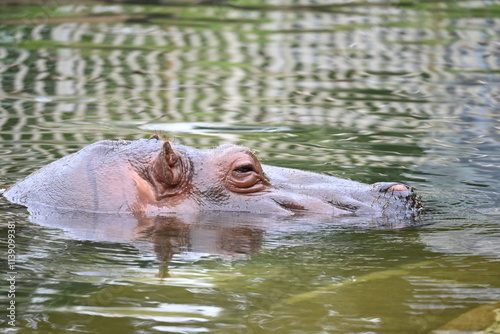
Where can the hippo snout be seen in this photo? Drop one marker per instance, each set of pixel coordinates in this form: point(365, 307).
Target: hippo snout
point(396, 197)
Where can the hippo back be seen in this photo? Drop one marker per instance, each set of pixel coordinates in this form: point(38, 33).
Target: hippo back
point(98, 178)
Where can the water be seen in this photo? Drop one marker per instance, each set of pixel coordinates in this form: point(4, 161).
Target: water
point(372, 91)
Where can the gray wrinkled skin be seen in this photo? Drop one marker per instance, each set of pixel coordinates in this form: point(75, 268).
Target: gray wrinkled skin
point(115, 177)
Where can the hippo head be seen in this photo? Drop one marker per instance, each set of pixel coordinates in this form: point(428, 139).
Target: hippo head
point(155, 176)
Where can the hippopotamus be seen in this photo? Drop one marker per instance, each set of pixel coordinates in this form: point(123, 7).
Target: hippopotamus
point(156, 176)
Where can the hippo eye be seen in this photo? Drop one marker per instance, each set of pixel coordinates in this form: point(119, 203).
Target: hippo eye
point(244, 169)
point(246, 175)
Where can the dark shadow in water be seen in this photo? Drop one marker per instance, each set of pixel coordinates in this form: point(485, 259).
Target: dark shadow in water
point(89, 18)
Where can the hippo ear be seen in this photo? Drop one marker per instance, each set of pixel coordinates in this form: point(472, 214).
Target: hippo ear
point(167, 172)
point(169, 155)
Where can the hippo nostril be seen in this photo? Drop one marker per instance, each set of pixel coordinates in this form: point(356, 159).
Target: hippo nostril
point(398, 187)
point(392, 188)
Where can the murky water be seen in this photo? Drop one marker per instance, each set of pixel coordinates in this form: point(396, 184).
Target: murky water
point(372, 91)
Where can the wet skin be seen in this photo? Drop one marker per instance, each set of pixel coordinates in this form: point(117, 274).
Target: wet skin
point(152, 176)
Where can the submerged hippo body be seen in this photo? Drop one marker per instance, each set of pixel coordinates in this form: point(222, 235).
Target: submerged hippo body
point(151, 176)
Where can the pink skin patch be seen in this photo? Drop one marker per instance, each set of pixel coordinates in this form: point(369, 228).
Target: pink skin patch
point(398, 187)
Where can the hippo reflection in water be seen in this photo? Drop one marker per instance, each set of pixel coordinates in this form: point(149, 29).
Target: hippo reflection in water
point(153, 176)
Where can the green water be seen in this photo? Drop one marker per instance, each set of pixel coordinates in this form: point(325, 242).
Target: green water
point(371, 91)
